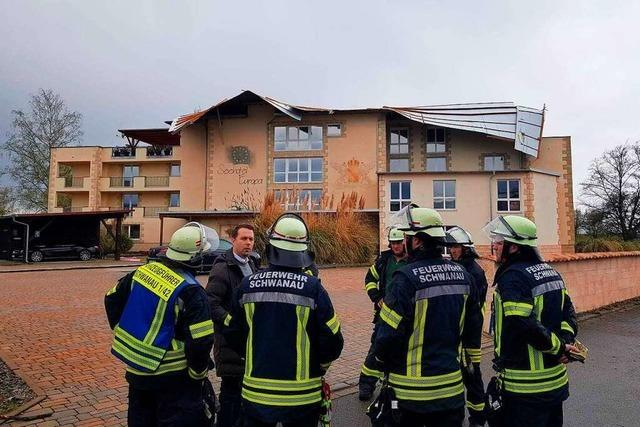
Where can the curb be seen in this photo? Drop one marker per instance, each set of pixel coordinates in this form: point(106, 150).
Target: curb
point(79, 267)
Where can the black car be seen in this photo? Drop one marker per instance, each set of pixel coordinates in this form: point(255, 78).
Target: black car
point(39, 253)
point(207, 259)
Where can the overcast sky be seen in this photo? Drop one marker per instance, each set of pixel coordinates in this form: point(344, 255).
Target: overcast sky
point(129, 64)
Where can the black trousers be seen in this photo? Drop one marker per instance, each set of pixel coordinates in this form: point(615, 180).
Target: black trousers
point(370, 372)
point(518, 413)
point(230, 401)
point(453, 418)
point(311, 421)
point(475, 393)
point(175, 407)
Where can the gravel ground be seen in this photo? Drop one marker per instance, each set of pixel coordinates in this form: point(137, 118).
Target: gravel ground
point(13, 391)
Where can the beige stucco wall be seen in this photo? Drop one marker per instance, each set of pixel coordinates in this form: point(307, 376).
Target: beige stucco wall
point(546, 213)
point(467, 150)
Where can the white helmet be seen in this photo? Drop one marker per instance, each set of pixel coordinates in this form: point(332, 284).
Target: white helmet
point(190, 241)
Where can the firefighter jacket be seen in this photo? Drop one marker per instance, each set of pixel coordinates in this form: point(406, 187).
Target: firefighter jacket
point(430, 312)
point(284, 324)
point(473, 349)
point(534, 319)
point(162, 325)
point(375, 280)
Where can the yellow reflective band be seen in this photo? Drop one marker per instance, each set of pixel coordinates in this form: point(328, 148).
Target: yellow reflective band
point(374, 272)
point(537, 387)
point(565, 326)
point(112, 290)
point(302, 343)
point(198, 375)
point(555, 344)
point(536, 359)
point(521, 374)
point(475, 406)
point(517, 308)
point(158, 318)
point(371, 286)
point(284, 385)
point(158, 279)
point(280, 399)
point(164, 368)
point(202, 329)
point(414, 355)
point(431, 381)
point(370, 372)
point(333, 324)
point(249, 308)
point(390, 317)
point(308, 272)
point(227, 319)
point(497, 306)
point(422, 395)
point(474, 354)
point(138, 345)
point(136, 358)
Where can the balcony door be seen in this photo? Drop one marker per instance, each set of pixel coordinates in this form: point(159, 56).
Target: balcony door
point(128, 173)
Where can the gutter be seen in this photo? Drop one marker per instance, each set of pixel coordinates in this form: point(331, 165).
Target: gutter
point(26, 249)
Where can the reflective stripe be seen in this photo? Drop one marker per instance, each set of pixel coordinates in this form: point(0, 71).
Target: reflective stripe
point(112, 290)
point(565, 326)
point(555, 285)
point(427, 388)
point(536, 360)
point(308, 272)
point(281, 399)
point(414, 355)
point(333, 324)
point(283, 385)
point(540, 386)
point(202, 329)
point(158, 279)
point(543, 374)
point(302, 343)
point(371, 286)
point(164, 368)
point(497, 306)
point(437, 291)
point(512, 308)
point(282, 297)
point(138, 359)
point(227, 319)
point(475, 354)
point(158, 317)
point(390, 317)
point(431, 381)
point(138, 345)
point(374, 272)
point(367, 372)
point(249, 309)
point(198, 375)
point(475, 406)
point(555, 344)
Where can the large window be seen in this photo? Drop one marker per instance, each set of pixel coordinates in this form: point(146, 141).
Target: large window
point(399, 150)
point(132, 230)
point(174, 200)
point(444, 194)
point(130, 201)
point(508, 195)
point(297, 170)
point(400, 195)
point(436, 164)
point(128, 173)
point(494, 163)
point(299, 138)
point(435, 140)
point(299, 200)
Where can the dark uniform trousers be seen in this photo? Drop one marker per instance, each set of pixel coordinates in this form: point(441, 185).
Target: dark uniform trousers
point(453, 418)
point(370, 365)
point(308, 421)
point(475, 392)
point(519, 414)
point(173, 407)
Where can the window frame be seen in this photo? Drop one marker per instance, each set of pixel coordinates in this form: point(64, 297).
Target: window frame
point(493, 156)
point(509, 199)
point(128, 231)
point(171, 169)
point(338, 125)
point(444, 198)
point(131, 194)
point(426, 163)
point(287, 170)
point(399, 156)
point(402, 201)
point(174, 193)
point(289, 141)
point(296, 206)
point(436, 142)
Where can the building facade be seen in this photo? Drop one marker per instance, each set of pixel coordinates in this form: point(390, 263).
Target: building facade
point(470, 162)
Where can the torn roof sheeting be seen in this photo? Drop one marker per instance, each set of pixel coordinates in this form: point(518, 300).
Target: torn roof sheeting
point(500, 119)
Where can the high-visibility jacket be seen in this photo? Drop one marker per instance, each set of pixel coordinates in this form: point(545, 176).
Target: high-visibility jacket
point(430, 313)
point(285, 325)
point(534, 319)
point(474, 347)
point(161, 323)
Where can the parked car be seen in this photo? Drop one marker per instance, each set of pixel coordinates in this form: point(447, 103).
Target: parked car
point(207, 259)
point(38, 253)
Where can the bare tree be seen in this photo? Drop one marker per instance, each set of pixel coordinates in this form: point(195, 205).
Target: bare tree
point(48, 125)
point(612, 190)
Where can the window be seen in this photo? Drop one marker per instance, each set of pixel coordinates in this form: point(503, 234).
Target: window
point(130, 201)
point(436, 164)
point(444, 194)
point(175, 170)
point(435, 140)
point(297, 170)
point(334, 130)
point(128, 173)
point(400, 195)
point(399, 150)
point(494, 163)
point(132, 230)
point(299, 200)
point(174, 200)
point(508, 195)
point(298, 138)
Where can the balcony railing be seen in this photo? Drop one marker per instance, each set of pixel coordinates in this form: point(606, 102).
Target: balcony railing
point(123, 152)
point(153, 211)
point(156, 181)
point(160, 151)
point(74, 181)
point(120, 181)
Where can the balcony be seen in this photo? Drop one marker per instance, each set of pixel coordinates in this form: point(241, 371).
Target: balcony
point(72, 183)
point(127, 152)
point(154, 153)
point(156, 181)
point(160, 151)
point(140, 183)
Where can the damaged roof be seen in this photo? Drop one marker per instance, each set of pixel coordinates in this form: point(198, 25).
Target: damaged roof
point(504, 120)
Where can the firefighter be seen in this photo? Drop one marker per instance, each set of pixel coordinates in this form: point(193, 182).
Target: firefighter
point(284, 324)
point(463, 252)
point(163, 333)
point(535, 326)
point(430, 312)
point(376, 280)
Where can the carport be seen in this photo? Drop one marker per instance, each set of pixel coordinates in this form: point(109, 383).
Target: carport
point(19, 231)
